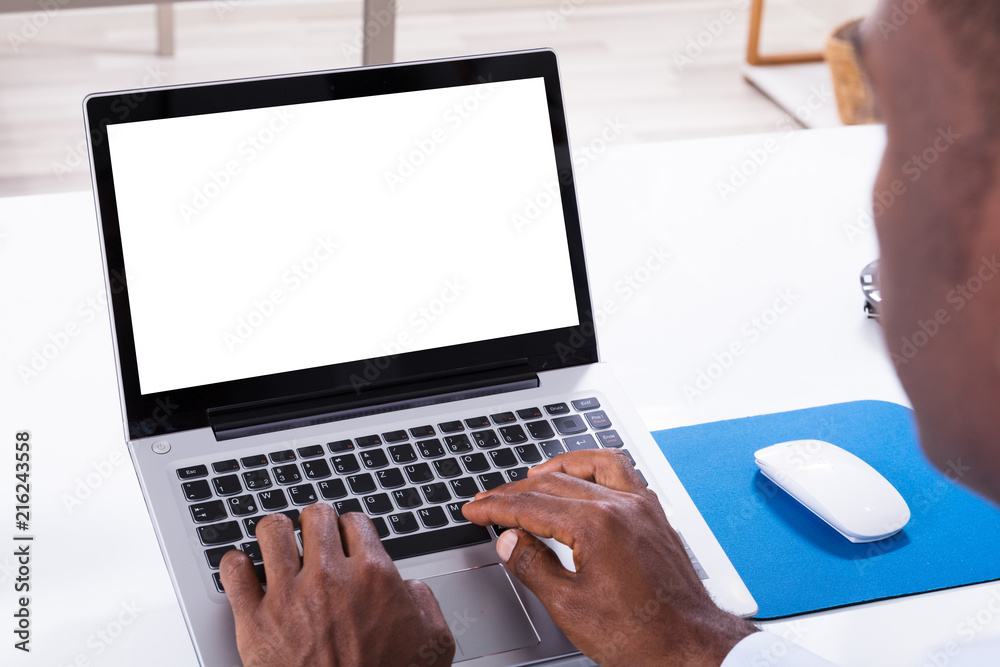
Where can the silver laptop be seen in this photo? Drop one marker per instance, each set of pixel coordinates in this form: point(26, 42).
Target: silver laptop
point(329, 287)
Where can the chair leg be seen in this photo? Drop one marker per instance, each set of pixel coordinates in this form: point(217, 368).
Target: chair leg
point(379, 30)
point(165, 28)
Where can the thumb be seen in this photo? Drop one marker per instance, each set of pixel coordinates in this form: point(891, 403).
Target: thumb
point(532, 562)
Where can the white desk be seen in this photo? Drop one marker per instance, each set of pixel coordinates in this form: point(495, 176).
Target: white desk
point(783, 230)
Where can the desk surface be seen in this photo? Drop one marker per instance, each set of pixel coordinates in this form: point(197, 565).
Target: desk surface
point(795, 230)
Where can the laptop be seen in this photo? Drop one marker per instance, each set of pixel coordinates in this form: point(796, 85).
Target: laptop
point(329, 287)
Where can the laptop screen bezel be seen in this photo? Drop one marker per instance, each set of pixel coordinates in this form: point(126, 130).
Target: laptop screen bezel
point(182, 409)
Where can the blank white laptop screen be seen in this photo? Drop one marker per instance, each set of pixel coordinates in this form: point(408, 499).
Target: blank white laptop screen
point(271, 240)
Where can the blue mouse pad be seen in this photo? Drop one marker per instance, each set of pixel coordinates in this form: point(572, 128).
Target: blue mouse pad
point(791, 561)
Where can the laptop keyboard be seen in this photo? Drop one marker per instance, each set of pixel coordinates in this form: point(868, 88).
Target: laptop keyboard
point(412, 483)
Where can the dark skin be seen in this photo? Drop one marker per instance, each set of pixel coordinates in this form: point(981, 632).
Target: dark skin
point(629, 561)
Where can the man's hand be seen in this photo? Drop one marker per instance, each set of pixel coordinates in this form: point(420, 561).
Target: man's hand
point(635, 598)
point(344, 605)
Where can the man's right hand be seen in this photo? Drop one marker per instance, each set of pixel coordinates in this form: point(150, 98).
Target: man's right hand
point(635, 598)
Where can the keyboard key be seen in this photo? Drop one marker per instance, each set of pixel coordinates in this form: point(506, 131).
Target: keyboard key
point(630, 457)
point(228, 485)
point(407, 498)
point(258, 570)
point(214, 510)
point(256, 479)
point(422, 431)
point(455, 509)
point(395, 436)
point(477, 422)
point(528, 453)
point(214, 556)
point(458, 443)
point(252, 549)
point(436, 493)
point(192, 472)
point(380, 526)
point(421, 544)
point(610, 439)
point(517, 474)
point(251, 525)
point(552, 448)
point(512, 435)
point(294, 516)
point(529, 413)
point(340, 446)
point(464, 488)
point(403, 523)
point(570, 425)
point(642, 477)
point(361, 483)
point(332, 489)
point(540, 430)
point(255, 461)
point(598, 420)
point(226, 466)
point(242, 505)
point(503, 458)
point(432, 517)
point(318, 469)
point(557, 409)
point(349, 505)
point(390, 479)
point(368, 441)
point(345, 464)
point(451, 427)
point(491, 480)
point(586, 404)
point(447, 468)
point(503, 418)
point(310, 452)
point(486, 439)
point(282, 456)
point(430, 449)
point(288, 474)
point(402, 454)
point(475, 462)
point(419, 473)
point(378, 504)
point(375, 458)
point(199, 490)
point(220, 533)
point(303, 494)
point(272, 500)
point(585, 441)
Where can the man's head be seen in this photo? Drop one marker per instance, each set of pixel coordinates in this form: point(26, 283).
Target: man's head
point(933, 67)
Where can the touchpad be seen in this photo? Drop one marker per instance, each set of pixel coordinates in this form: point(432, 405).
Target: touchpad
point(483, 611)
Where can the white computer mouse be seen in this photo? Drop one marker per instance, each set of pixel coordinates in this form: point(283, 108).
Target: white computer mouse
point(837, 486)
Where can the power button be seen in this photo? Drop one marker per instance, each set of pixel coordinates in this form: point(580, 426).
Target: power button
point(161, 447)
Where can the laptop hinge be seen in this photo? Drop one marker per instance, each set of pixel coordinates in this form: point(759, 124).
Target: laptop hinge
point(241, 421)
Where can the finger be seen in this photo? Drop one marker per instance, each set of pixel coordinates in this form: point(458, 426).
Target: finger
point(430, 611)
point(359, 536)
point(320, 535)
point(608, 467)
point(424, 598)
point(533, 563)
point(240, 582)
point(539, 513)
point(279, 549)
point(553, 484)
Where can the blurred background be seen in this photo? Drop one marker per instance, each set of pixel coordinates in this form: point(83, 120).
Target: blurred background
point(660, 69)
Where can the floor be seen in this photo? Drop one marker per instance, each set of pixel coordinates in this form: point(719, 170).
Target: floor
point(663, 69)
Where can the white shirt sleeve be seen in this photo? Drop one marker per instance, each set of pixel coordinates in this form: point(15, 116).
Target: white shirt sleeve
point(763, 649)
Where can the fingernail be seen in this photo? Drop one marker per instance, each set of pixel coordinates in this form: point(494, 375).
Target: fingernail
point(505, 544)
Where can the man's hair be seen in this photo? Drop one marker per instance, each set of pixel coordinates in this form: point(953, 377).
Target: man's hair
point(973, 27)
